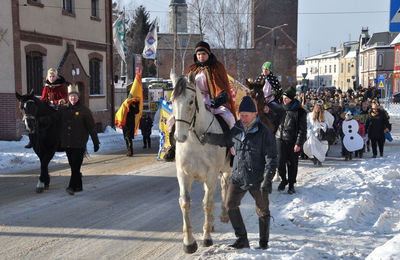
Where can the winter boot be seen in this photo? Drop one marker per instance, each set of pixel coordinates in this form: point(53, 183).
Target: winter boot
point(169, 155)
point(129, 146)
point(282, 185)
point(263, 224)
point(240, 229)
point(291, 189)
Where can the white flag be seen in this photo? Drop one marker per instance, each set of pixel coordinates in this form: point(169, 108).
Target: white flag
point(150, 43)
point(119, 37)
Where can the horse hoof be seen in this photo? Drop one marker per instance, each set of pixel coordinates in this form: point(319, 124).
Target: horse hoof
point(224, 219)
point(39, 190)
point(190, 249)
point(207, 242)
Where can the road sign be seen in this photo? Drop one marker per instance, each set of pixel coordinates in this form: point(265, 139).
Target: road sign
point(394, 18)
point(348, 80)
point(381, 81)
point(304, 75)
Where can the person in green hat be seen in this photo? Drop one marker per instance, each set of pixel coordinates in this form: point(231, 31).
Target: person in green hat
point(271, 82)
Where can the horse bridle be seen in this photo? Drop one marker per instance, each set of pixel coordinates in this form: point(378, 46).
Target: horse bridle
point(27, 116)
point(192, 122)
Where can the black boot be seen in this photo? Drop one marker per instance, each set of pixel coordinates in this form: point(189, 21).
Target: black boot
point(263, 224)
point(129, 146)
point(291, 189)
point(29, 145)
point(169, 155)
point(240, 229)
point(282, 185)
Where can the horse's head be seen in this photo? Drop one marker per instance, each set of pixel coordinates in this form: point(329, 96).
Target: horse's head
point(256, 89)
point(184, 104)
point(29, 108)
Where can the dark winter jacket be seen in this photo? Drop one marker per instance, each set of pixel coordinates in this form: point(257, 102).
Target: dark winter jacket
point(129, 128)
point(145, 125)
point(376, 124)
point(76, 124)
point(293, 127)
point(256, 157)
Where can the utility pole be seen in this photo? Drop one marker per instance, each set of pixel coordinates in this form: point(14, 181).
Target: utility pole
point(175, 37)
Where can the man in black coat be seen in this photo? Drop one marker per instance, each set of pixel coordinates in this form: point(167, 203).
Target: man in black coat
point(290, 136)
point(129, 129)
point(254, 166)
point(376, 126)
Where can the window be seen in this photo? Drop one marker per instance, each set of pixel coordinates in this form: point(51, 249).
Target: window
point(334, 68)
point(95, 76)
point(380, 60)
point(306, 70)
point(34, 72)
point(341, 68)
point(348, 67)
point(68, 6)
point(95, 8)
point(326, 69)
point(397, 57)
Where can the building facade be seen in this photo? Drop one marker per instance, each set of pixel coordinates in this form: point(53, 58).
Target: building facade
point(376, 58)
point(74, 37)
point(348, 66)
point(323, 69)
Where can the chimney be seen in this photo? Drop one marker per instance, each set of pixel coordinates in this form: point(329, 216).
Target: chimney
point(333, 49)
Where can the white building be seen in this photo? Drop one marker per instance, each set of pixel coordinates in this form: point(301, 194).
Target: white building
point(323, 69)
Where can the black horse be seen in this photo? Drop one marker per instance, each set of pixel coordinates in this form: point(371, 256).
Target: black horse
point(42, 122)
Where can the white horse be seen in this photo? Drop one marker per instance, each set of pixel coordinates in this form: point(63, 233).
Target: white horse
point(196, 159)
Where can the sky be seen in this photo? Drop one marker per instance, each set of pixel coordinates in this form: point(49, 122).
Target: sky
point(322, 24)
point(342, 210)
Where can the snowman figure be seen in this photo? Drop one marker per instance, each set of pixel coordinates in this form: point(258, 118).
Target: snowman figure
point(352, 140)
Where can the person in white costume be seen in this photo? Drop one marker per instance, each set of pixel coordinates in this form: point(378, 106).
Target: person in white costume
point(317, 119)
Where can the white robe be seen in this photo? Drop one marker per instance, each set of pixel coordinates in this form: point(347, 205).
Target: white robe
point(314, 147)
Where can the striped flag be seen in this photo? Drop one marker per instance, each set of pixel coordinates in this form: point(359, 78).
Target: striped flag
point(136, 94)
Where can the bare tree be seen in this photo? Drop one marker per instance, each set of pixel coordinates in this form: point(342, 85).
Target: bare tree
point(198, 18)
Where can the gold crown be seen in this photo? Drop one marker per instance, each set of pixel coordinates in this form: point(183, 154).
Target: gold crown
point(73, 89)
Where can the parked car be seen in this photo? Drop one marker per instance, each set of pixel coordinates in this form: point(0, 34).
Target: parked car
point(396, 98)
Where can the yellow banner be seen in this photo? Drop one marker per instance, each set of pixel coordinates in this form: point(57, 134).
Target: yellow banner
point(165, 112)
point(238, 91)
point(135, 94)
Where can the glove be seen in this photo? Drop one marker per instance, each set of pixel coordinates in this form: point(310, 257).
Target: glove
point(266, 187)
point(221, 99)
point(96, 147)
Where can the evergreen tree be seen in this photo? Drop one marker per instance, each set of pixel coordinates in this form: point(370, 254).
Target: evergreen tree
point(135, 36)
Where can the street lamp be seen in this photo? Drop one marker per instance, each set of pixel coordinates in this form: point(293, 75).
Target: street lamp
point(272, 30)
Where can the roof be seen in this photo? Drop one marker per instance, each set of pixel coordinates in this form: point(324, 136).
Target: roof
point(381, 38)
point(178, 2)
point(324, 55)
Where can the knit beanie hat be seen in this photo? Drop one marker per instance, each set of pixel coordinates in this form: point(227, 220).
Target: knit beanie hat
point(290, 92)
point(267, 65)
point(349, 115)
point(202, 46)
point(247, 105)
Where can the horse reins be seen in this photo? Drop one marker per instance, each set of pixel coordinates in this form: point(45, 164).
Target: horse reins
point(192, 123)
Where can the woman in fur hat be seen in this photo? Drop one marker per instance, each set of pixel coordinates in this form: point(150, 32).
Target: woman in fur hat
point(55, 90)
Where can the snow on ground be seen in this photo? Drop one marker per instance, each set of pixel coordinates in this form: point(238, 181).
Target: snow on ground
point(344, 210)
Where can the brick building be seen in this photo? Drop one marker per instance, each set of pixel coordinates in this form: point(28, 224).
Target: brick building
point(75, 37)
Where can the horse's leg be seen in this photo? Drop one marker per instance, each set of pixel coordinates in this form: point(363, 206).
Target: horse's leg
point(185, 186)
point(210, 186)
point(224, 217)
point(44, 179)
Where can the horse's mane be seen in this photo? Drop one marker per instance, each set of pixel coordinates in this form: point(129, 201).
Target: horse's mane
point(180, 87)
